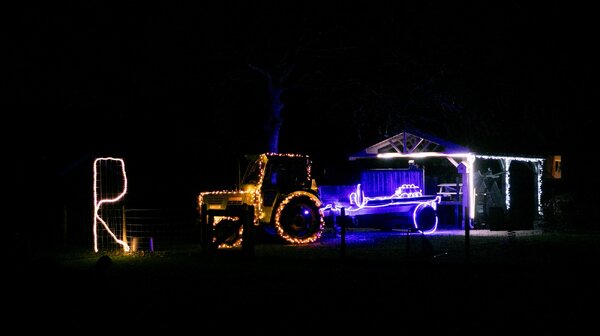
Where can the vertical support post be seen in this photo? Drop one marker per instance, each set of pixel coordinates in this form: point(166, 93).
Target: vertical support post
point(464, 168)
point(467, 235)
point(124, 224)
point(408, 242)
point(458, 210)
point(343, 232)
point(248, 231)
point(65, 228)
point(210, 245)
point(203, 227)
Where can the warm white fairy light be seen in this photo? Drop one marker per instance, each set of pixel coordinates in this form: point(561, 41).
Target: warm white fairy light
point(282, 205)
point(257, 191)
point(237, 242)
point(99, 203)
point(285, 154)
point(231, 194)
point(255, 200)
point(251, 194)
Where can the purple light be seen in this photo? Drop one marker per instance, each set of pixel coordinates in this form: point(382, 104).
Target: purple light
point(422, 206)
point(407, 199)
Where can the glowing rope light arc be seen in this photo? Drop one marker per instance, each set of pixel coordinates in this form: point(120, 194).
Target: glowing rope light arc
point(98, 203)
point(416, 212)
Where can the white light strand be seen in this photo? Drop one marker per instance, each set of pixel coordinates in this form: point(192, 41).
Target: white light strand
point(507, 182)
point(99, 203)
point(540, 172)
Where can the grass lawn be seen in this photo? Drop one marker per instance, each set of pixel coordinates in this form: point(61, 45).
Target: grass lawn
point(539, 281)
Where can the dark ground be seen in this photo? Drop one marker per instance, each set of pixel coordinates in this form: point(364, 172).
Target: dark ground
point(530, 281)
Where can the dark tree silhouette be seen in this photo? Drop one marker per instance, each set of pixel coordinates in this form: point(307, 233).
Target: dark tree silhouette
point(276, 86)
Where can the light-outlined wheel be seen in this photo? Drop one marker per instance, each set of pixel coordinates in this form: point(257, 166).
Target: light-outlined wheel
point(298, 218)
point(425, 218)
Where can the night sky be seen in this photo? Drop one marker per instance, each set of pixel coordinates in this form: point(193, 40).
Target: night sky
point(178, 90)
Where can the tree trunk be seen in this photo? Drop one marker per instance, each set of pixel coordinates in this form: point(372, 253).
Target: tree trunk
point(275, 118)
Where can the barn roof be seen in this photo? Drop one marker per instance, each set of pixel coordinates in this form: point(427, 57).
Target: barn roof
point(410, 143)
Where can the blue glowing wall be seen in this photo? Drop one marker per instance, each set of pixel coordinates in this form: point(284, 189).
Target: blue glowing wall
point(374, 183)
point(383, 182)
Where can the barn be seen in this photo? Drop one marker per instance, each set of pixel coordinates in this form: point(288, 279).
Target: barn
point(494, 191)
